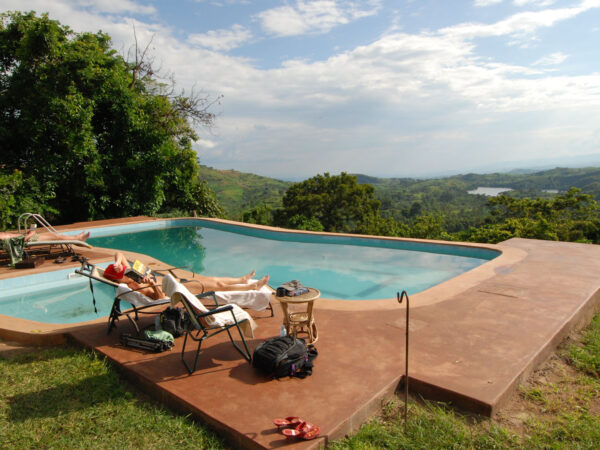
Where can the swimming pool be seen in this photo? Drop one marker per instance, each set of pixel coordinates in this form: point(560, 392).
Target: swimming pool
point(341, 267)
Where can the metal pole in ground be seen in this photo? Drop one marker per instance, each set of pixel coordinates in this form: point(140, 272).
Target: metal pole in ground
point(400, 297)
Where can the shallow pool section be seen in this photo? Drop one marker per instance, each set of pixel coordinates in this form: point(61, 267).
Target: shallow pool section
point(341, 267)
point(58, 297)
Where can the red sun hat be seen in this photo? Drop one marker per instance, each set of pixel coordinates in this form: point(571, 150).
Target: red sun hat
point(111, 273)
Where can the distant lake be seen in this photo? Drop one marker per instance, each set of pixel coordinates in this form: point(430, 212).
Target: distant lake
point(489, 191)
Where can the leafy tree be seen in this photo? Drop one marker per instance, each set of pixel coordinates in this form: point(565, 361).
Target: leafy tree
point(19, 195)
point(99, 135)
point(261, 215)
point(301, 222)
point(335, 203)
point(428, 226)
point(570, 217)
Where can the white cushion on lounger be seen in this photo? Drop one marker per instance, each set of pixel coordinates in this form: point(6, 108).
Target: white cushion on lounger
point(57, 242)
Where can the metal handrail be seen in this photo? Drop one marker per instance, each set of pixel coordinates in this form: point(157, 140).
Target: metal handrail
point(22, 222)
point(25, 217)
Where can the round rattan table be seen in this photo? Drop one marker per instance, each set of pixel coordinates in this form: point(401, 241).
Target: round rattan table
point(298, 319)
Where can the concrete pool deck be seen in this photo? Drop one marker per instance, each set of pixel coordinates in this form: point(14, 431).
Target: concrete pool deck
point(472, 339)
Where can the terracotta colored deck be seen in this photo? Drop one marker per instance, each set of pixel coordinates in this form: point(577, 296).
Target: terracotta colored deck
point(472, 339)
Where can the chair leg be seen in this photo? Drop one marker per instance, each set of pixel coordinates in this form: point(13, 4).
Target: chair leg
point(246, 354)
point(113, 317)
point(314, 332)
point(111, 323)
point(134, 322)
point(271, 308)
point(187, 366)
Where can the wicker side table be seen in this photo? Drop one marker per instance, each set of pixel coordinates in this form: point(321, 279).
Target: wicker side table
point(298, 318)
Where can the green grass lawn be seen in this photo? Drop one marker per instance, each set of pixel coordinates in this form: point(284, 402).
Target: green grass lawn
point(67, 397)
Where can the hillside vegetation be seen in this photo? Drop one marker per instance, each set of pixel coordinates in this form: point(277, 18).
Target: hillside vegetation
point(438, 208)
point(239, 191)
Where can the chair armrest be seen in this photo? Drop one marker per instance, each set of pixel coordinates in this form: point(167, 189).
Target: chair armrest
point(85, 267)
point(216, 310)
point(171, 269)
point(209, 294)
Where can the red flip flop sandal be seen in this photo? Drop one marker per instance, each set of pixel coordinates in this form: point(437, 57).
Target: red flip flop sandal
point(291, 421)
point(304, 430)
point(311, 434)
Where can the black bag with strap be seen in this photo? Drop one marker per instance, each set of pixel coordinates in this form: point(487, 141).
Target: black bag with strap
point(145, 343)
point(284, 356)
point(174, 320)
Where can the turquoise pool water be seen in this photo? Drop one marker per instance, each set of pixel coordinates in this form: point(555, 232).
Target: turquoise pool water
point(340, 267)
point(55, 297)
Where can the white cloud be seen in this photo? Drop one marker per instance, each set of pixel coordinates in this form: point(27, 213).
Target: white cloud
point(117, 7)
point(314, 16)
point(205, 143)
point(551, 60)
point(222, 39)
point(487, 2)
point(521, 25)
point(538, 3)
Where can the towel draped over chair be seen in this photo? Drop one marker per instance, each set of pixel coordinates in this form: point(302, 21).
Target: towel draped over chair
point(174, 290)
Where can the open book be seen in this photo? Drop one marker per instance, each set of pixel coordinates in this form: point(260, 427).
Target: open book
point(138, 271)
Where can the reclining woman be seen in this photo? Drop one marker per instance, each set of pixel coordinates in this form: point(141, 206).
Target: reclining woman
point(151, 286)
point(32, 236)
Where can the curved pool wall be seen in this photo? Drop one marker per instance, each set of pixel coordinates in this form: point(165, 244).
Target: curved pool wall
point(306, 237)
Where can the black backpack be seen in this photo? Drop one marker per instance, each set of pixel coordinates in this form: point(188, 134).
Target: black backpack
point(284, 356)
point(174, 320)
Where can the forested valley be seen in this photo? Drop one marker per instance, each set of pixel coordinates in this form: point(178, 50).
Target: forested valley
point(540, 205)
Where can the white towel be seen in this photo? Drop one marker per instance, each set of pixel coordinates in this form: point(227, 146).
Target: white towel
point(137, 298)
point(174, 289)
point(257, 299)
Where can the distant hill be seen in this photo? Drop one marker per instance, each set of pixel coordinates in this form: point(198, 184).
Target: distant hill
point(405, 199)
point(521, 180)
point(239, 191)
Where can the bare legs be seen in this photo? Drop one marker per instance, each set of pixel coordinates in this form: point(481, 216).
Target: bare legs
point(221, 286)
point(229, 280)
point(83, 236)
point(46, 236)
point(202, 283)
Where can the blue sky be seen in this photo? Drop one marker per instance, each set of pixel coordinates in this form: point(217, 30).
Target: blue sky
point(385, 88)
